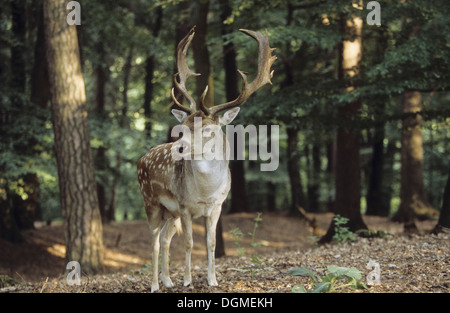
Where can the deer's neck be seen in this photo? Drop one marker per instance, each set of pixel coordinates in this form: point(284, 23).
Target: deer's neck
point(208, 175)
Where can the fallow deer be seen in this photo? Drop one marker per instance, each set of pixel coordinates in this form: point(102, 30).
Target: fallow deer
point(175, 190)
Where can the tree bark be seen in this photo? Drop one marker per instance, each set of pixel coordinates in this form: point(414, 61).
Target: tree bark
point(79, 202)
point(239, 196)
point(298, 198)
point(347, 178)
point(378, 200)
point(376, 203)
point(8, 225)
point(101, 160)
point(202, 64)
point(413, 196)
point(297, 194)
point(149, 73)
point(443, 224)
point(39, 77)
point(313, 177)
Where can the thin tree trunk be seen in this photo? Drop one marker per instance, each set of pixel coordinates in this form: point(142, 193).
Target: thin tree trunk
point(79, 202)
point(149, 74)
point(181, 29)
point(40, 94)
point(202, 64)
point(239, 196)
point(111, 213)
point(375, 196)
point(377, 202)
point(313, 176)
point(100, 157)
point(297, 194)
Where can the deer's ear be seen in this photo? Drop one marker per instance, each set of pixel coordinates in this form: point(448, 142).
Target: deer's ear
point(179, 115)
point(229, 116)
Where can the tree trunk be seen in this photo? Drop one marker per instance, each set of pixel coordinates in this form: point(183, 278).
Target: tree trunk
point(79, 202)
point(331, 170)
point(413, 195)
point(313, 177)
point(239, 196)
point(347, 171)
point(123, 124)
point(376, 204)
point(200, 50)
point(181, 29)
point(443, 224)
point(39, 77)
point(297, 194)
point(8, 225)
point(149, 72)
point(378, 200)
point(100, 156)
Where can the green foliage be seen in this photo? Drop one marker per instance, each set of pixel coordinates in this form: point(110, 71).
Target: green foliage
point(237, 235)
point(6, 281)
point(370, 233)
point(342, 233)
point(258, 219)
point(337, 278)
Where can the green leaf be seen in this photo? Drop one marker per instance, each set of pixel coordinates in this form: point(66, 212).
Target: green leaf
point(299, 289)
point(301, 271)
point(322, 287)
point(345, 271)
point(359, 285)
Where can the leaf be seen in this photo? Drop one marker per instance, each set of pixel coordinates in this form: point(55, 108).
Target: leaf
point(301, 271)
point(321, 287)
point(345, 271)
point(358, 285)
point(299, 289)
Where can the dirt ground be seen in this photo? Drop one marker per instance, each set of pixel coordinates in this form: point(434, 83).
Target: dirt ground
point(408, 263)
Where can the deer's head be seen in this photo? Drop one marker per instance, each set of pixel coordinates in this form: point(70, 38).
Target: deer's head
point(203, 122)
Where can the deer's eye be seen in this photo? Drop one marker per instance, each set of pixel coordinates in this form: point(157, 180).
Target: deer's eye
point(180, 149)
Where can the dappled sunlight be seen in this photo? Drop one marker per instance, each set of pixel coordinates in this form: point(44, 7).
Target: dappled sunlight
point(112, 258)
point(57, 250)
point(119, 260)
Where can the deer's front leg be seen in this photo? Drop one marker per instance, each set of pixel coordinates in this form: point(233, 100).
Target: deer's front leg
point(167, 233)
point(186, 222)
point(211, 225)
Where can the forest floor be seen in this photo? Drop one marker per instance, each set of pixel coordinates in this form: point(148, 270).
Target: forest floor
point(417, 262)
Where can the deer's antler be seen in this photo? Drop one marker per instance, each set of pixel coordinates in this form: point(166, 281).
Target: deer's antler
point(184, 72)
point(265, 61)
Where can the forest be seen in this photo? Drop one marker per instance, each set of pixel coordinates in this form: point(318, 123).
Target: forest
point(360, 93)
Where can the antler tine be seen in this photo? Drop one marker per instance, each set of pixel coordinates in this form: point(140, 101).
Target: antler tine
point(184, 72)
point(203, 107)
point(265, 61)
